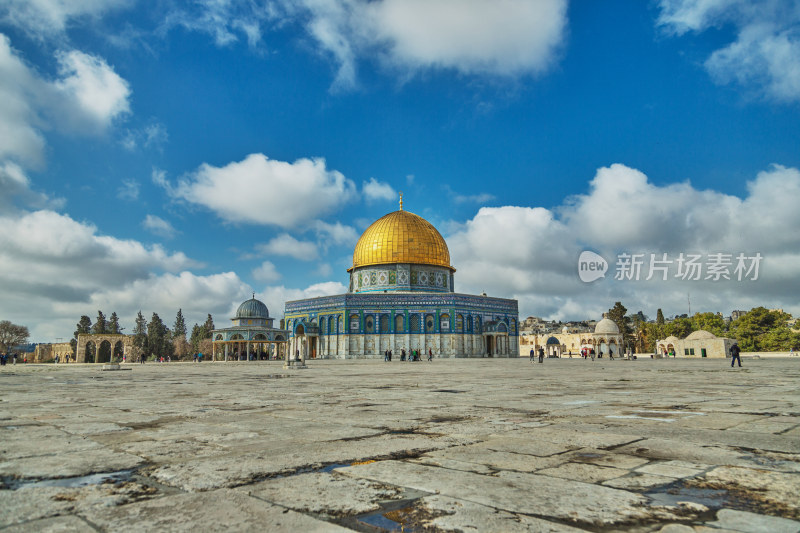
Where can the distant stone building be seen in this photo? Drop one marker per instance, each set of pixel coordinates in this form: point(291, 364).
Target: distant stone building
point(605, 337)
point(251, 337)
point(49, 352)
point(700, 343)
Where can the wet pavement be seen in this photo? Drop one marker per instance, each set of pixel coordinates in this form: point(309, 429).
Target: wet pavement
point(453, 445)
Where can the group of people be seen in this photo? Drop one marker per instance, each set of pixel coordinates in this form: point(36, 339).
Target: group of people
point(413, 356)
point(5, 356)
point(541, 355)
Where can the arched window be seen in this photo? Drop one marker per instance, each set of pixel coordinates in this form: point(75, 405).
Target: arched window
point(414, 323)
point(399, 326)
point(459, 323)
point(444, 323)
point(354, 323)
point(430, 325)
point(369, 322)
point(469, 324)
point(384, 323)
point(331, 326)
point(478, 325)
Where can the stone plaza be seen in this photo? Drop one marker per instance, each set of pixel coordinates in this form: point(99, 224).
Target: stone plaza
point(363, 445)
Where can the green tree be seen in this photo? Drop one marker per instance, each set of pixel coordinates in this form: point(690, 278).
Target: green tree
point(762, 329)
point(140, 337)
point(711, 322)
point(660, 317)
point(617, 315)
point(12, 335)
point(113, 324)
point(679, 327)
point(84, 326)
point(179, 335)
point(100, 324)
point(158, 338)
point(209, 325)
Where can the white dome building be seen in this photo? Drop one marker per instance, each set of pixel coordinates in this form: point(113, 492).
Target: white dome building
point(700, 343)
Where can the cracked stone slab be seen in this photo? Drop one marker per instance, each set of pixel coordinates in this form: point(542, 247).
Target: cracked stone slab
point(479, 456)
point(221, 510)
point(464, 516)
point(604, 458)
point(636, 481)
point(539, 495)
point(57, 524)
point(70, 464)
point(323, 493)
point(584, 472)
point(753, 523)
point(674, 469)
point(539, 446)
point(239, 469)
point(777, 492)
point(25, 505)
point(34, 502)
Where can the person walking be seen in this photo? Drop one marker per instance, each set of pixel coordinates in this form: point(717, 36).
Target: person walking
point(610, 353)
point(430, 355)
point(532, 355)
point(541, 354)
point(591, 352)
point(735, 355)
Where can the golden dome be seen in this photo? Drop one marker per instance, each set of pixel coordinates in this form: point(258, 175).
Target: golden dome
point(401, 237)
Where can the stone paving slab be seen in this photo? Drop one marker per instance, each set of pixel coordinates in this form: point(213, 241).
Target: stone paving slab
point(452, 514)
point(220, 510)
point(324, 493)
point(525, 493)
point(457, 445)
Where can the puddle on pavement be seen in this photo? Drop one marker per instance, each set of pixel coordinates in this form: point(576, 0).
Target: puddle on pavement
point(396, 520)
point(71, 482)
point(642, 418)
point(331, 468)
point(672, 496)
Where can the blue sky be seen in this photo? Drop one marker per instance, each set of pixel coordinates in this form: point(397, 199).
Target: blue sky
point(164, 155)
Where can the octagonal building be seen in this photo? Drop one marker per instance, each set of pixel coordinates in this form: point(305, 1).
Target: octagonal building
point(402, 297)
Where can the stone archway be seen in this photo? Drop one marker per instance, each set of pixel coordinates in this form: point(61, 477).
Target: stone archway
point(115, 343)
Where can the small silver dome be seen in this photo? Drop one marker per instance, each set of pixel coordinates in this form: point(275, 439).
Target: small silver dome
point(252, 308)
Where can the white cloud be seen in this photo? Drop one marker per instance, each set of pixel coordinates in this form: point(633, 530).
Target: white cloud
point(54, 266)
point(153, 135)
point(92, 94)
point(531, 253)
point(50, 18)
point(480, 198)
point(266, 272)
point(766, 52)
point(377, 190)
point(159, 226)
point(20, 134)
point(482, 37)
point(286, 245)
point(129, 190)
point(15, 185)
point(276, 296)
point(87, 98)
point(224, 20)
point(260, 190)
point(336, 233)
point(324, 270)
